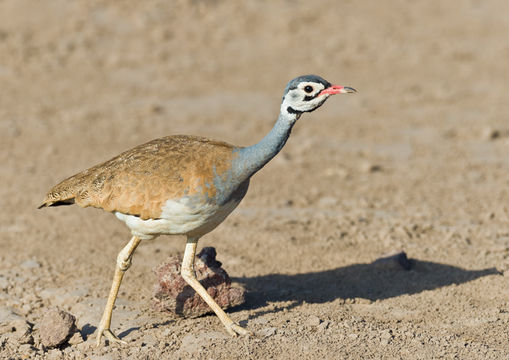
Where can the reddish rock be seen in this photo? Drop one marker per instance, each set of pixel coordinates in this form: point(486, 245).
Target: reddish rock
point(174, 295)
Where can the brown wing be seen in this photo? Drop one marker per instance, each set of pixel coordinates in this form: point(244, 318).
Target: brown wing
point(140, 180)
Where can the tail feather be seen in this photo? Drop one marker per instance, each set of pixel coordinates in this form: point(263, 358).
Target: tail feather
point(49, 203)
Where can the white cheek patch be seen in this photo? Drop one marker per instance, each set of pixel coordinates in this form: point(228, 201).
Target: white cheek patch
point(295, 98)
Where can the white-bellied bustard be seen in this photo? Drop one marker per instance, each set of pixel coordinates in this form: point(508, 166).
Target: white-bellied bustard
point(183, 185)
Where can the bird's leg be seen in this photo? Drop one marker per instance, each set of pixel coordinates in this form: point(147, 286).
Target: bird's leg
point(123, 263)
point(190, 277)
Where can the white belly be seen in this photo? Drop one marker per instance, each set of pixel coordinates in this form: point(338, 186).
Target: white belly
point(180, 217)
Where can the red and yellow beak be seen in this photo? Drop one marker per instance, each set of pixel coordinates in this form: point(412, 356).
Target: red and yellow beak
point(337, 89)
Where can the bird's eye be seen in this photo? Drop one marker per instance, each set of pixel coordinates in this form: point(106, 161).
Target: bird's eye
point(308, 88)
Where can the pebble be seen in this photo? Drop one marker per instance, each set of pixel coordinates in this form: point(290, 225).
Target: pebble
point(149, 340)
point(490, 134)
point(22, 332)
point(83, 346)
point(370, 168)
point(313, 320)
point(56, 327)
point(323, 326)
point(386, 337)
point(268, 331)
point(328, 201)
point(76, 338)
point(172, 293)
point(30, 264)
point(259, 321)
point(54, 354)
point(15, 327)
point(3, 283)
point(26, 349)
point(336, 172)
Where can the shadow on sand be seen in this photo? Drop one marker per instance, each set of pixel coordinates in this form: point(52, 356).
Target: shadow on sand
point(366, 281)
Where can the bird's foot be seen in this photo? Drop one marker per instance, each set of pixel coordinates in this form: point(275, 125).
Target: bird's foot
point(235, 329)
point(108, 334)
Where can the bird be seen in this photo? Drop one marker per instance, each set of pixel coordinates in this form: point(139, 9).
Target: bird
point(183, 185)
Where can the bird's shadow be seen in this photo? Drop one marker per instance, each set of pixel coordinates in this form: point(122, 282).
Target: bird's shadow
point(128, 331)
point(87, 330)
point(367, 281)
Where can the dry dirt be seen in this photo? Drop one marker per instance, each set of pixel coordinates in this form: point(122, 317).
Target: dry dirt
point(416, 160)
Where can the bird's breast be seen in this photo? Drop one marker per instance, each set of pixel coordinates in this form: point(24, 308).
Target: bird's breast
point(192, 215)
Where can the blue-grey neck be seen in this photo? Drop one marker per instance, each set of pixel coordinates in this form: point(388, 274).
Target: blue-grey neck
point(253, 158)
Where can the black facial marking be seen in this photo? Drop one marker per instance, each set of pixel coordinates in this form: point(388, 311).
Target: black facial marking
point(308, 97)
point(292, 110)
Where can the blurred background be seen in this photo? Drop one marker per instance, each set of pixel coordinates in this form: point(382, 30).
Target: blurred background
point(416, 160)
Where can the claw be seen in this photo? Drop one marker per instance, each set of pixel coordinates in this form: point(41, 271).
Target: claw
point(108, 334)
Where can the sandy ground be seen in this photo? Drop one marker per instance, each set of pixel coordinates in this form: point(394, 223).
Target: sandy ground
point(415, 161)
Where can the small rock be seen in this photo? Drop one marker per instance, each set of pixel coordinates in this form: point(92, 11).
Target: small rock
point(174, 295)
point(15, 327)
point(489, 216)
point(149, 340)
point(7, 318)
point(386, 337)
point(268, 331)
point(370, 168)
point(26, 349)
point(393, 261)
point(3, 283)
point(259, 321)
point(55, 354)
point(56, 327)
point(76, 339)
point(156, 109)
point(323, 326)
point(30, 264)
point(328, 201)
point(22, 331)
point(341, 173)
point(386, 334)
point(313, 320)
point(83, 347)
point(490, 134)
point(362, 301)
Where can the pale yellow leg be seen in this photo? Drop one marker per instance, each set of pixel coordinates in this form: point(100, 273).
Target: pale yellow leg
point(123, 263)
point(190, 277)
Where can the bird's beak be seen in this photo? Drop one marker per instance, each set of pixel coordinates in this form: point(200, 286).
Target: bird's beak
point(337, 89)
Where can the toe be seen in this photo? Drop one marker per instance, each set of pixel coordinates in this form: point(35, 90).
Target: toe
point(237, 329)
point(108, 334)
point(112, 337)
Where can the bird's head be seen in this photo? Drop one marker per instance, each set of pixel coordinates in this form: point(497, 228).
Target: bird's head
point(307, 93)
